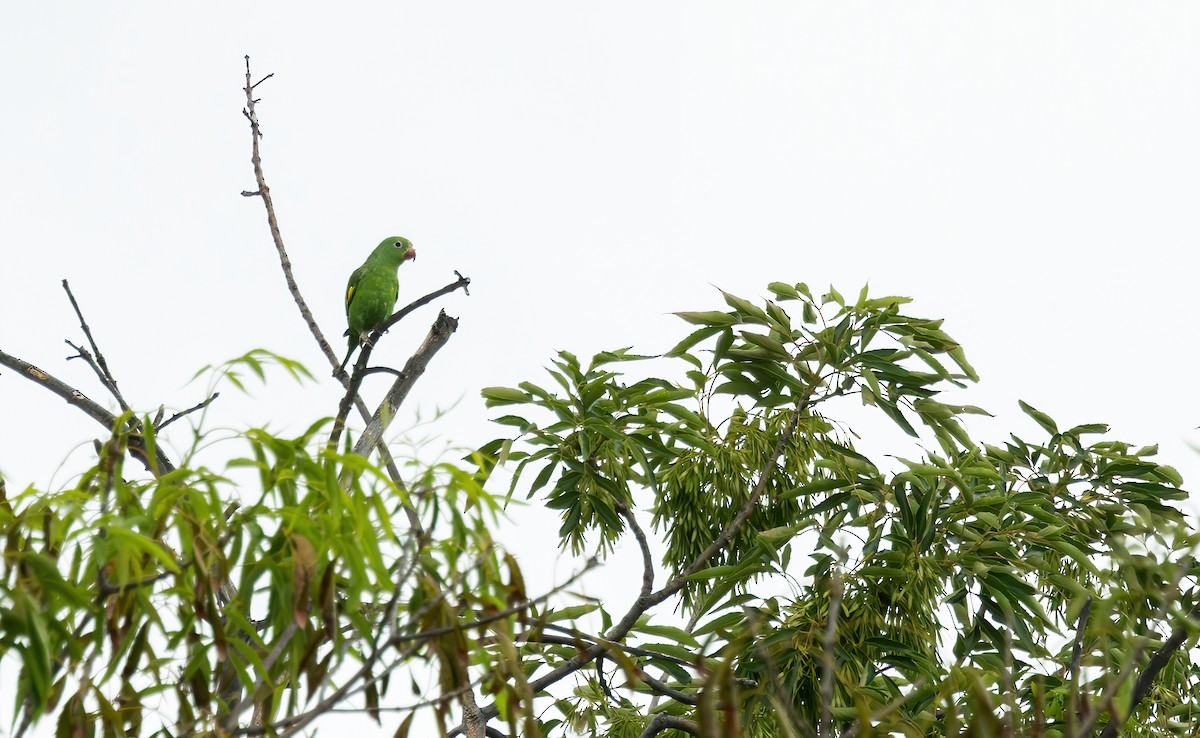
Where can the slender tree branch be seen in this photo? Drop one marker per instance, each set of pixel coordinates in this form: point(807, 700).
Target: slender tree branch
point(285, 264)
point(644, 545)
point(108, 588)
point(99, 365)
point(438, 335)
point(189, 411)
point(507, 612)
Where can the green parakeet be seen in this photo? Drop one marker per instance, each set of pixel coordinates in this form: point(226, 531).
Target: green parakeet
point(372, 290)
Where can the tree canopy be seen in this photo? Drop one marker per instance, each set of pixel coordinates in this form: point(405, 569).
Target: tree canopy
point(793, 581)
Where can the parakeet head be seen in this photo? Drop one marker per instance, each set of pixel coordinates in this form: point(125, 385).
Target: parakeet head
point(394, 250)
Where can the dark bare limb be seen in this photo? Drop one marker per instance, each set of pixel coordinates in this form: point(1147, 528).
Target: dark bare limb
point(1158, 662)
point(662, 721)
point(137, 443)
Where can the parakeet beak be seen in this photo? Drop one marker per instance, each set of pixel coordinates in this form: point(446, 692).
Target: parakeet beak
point(411, 254)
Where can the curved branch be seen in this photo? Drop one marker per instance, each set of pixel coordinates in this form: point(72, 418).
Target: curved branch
point(647, 560)
point(662, 721)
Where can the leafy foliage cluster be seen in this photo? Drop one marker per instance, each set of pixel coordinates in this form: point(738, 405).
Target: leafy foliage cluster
point(802, 587)
point(947, 591)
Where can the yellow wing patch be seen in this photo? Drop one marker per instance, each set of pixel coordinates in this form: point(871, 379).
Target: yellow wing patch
point(349, 295)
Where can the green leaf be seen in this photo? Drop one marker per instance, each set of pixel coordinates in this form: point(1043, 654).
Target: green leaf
point(503, 396)
point(568, 613)
point(784, 291)
point(708, 318)
point(694, 338)
point(1039, 417)
point(677, 635)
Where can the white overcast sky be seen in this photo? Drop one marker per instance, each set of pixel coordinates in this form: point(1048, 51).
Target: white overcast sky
point(1026, 170)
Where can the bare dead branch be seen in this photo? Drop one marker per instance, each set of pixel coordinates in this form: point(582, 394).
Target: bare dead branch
point(285, 263)
point(272, 222)
point(439, 333)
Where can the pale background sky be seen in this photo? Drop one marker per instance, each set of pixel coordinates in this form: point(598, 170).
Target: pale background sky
point(1026, 170)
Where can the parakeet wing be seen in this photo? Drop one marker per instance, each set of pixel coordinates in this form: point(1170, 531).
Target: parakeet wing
point(352, 285)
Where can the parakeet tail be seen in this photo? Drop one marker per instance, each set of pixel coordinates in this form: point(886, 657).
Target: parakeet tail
point(349, 353)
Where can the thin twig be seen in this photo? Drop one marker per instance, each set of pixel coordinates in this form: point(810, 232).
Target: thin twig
point(108, 588)
point(189, 411)
point(438, 335)
point(99, 365)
